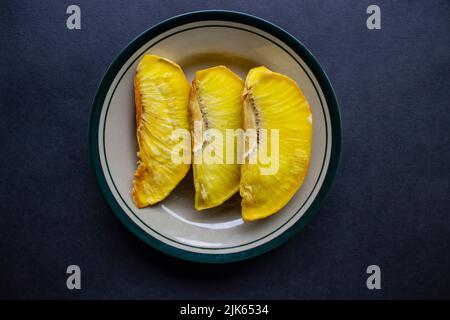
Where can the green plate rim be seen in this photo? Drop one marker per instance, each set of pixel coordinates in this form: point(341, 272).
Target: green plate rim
point(230, 16)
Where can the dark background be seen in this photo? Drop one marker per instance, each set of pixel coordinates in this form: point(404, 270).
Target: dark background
point(390, 204)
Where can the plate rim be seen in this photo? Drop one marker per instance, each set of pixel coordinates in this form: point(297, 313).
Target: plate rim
point(229, 16)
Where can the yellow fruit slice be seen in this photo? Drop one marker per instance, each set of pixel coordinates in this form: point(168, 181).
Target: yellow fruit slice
point(215, 103)
point(274, 101)
point(161, 96)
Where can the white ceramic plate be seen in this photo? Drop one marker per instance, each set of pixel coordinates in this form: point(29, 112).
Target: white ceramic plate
point(195, 41)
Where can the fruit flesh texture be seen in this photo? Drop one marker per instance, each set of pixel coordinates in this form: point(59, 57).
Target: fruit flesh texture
point(161, 98)
point(274, 101)
point(215, 103)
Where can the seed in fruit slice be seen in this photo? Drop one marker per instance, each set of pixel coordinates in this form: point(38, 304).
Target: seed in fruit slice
point(215, 106)
point(161, 96)
point(274, 101)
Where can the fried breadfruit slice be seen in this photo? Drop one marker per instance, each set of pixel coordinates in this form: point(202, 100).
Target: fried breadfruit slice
point(274, 101)
point(215, 103)
point(161, 96)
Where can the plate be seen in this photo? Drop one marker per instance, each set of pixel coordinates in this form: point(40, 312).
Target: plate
point(195, 41)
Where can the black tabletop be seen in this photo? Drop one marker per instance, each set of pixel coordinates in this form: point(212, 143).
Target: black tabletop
point(389, 206)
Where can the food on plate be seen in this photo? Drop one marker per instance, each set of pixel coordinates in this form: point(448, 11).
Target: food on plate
point(269, 107)
point(215, 106)
point(161, 96)
point(274, 101)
